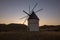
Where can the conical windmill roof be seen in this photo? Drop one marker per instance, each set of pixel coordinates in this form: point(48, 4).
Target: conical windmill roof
point(33, 16)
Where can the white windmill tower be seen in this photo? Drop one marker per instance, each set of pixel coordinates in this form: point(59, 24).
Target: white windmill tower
point(33, 20)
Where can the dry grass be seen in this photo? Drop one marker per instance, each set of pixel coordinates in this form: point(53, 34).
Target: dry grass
point(45, 35)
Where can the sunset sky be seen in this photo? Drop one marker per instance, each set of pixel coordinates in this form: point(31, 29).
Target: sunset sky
point(12, 10)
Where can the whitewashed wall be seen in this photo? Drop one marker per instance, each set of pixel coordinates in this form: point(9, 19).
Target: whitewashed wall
point(33, 25)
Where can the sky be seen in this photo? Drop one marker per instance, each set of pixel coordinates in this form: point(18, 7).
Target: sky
point(11, 11)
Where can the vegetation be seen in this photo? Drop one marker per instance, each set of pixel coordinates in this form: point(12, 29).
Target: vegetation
point(50, 28)
point(12, 27)
point(22, 27)
point(19, 32)
point(30, 35)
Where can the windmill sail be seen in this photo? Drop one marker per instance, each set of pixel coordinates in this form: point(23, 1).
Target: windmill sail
point(25, 19)
point(25, 12)
point(38, 10)
point(34, 6)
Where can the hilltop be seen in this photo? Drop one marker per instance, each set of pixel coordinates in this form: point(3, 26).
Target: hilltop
point(22, 27)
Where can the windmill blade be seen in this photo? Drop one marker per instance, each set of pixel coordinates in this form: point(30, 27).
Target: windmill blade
point(29, 6)
point(35, 6)
point(25, 20)
point(23, 17)
point(38, 10)
point(25, 12)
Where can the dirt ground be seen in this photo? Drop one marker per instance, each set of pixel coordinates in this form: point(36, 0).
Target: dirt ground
point(43, 35)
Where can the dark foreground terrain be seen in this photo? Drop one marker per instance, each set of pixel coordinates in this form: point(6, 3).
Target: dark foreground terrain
point(43, 35)
point(19, 32)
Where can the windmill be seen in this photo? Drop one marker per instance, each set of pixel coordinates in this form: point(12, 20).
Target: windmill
point(33, 20)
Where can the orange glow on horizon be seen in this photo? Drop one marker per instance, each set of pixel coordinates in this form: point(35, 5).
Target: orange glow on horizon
point(41, 22)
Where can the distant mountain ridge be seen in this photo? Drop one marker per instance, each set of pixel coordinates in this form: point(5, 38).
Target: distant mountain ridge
point(13, 27)
point(22, 27)
point(50, 28)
